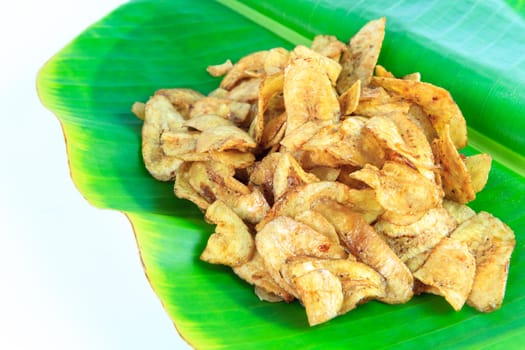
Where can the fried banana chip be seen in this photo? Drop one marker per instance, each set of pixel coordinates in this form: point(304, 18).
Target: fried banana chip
point(367, 246)
point(248, 66)
point(288, 175)
point(449, 272)
point(207, 121)
point(218, 70)
point(491, 242)
point(359, 61)
point(254, 272)
point(349, 100)
point(276, 60)
point(329, 46)
point(460, 212)
point(318, 223)
point(408, 241)
point(435, 101)
point(182, 99)
point(177, 143)
point(303, 197)
point(321, 294)
point(183, 188)
point(237, 112)
point(455, 177)
point(271, 87)
point(308, 94)
point(359, 282)
point(478, 167)
point(283, 238)
point(245, 91)
point(232, 243)
point(403, 192)
point(331, 67)
point(160, 116)
point(223, 138)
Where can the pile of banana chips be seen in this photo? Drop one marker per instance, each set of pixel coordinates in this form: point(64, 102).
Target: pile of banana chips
point(330, 180)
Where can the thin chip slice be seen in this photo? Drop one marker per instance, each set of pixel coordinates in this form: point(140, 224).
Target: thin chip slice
point(207, 121)
point(255, 273)
point(177, 143)
point(329, 46)
point(276, 60)
point(283, 238)
point(160, 116)
point(183, 188)
point(182, 99)
point(303, 197)
point(321, 294)
point(403, 192)
point(491, 242)
point(318, 223)
point(367, 246)
point(288, 175)
point(408, 241)
point(349, 100)
point(329, 66)
point(244, 68)
point(449, 272)
point(271, 86)
point(218, 70)
point(478, 167)
point(455, 177)
point(308, 94)
point(460, 212)
point(223, 138)
point(359, 282)
point(435, 101)
point(245, 91)
point(361, 58)
point(232, 243)
point(237, 112)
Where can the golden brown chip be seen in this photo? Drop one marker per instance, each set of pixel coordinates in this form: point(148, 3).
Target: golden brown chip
point(247, 67)
point(232, 243)
point(336, 145)
point(223, 138)
point(408, 241)
point(318, 223)
point(449, 272)
point(435, 101)
point(349, 99)
point(219, 70)
point(160, 116)
point(303, 197)
point(383, 72)
point(206, 121)
point(276, 60)
point(455, 177)
point(329, 46)
point(360, 59)
point(491, 242)
point(245, 91)
point(328, 66)
point(139, 109)
point(283, 238)
point(365, 244)
point(182, 99)
point(420, 118)
point(271, 86)
point(255, 273)
point(237, 112)
point(251, 207)
point(176, 143)
point(308, 94)
point(183, 188)
point(403, 192)
point(359, 282)
point(288, 175)
point(460, 212)
point(321, 294)
point(274, 131)
point(416, 76)
point(325, 173)
point(478, 167)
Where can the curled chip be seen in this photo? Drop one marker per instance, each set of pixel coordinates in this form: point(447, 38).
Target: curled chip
point(330, 180)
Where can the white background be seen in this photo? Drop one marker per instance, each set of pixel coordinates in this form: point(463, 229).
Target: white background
point(70, 274)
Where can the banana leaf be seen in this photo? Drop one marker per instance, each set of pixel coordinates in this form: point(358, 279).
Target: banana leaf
point(475, 49)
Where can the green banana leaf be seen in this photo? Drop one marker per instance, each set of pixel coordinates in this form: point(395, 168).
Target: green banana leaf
point(476, 49)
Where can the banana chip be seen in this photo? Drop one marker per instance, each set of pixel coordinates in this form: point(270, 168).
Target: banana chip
point(330, 180)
